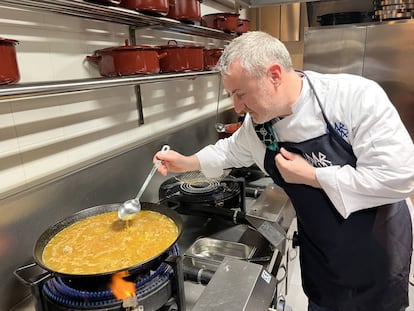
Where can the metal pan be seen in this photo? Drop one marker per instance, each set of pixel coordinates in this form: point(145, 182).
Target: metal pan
point(47, 235)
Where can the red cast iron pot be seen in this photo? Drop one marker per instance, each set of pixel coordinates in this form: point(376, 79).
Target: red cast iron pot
point(181, 57)
point(211, 57)
point(222, 21)
point(127, 60)
point(154, 6)
point(244, 26)
point(9, 70)
point(185, 10)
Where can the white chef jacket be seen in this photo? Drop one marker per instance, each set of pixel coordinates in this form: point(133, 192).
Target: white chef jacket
point(362, 113)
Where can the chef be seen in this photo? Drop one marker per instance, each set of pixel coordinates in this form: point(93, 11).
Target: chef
point(337, 146)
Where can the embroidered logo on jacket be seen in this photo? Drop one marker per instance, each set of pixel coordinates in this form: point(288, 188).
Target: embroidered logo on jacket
point(341, 129)
point(317, 160)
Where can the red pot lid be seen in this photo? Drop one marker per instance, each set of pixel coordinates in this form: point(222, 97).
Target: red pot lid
point(8, 41)
point(172, 44)
point(126, 47)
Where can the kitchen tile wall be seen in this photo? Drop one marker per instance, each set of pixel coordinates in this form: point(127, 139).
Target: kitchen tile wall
point(44, 138)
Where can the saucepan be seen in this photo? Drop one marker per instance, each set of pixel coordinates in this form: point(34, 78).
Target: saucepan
point(127, 60)
point(9, 70)
point(181, 57)
point(185, 10)
point(222, 21)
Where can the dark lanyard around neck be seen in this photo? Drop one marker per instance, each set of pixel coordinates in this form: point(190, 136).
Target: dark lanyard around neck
point(265, 130)
point(317, 99)
point(330, 127)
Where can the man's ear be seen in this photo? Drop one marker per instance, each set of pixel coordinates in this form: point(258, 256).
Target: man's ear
point(274, 72)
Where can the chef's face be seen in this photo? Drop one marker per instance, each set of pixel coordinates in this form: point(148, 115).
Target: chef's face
point(255, 96)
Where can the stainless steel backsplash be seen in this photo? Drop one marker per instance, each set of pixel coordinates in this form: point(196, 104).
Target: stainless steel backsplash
point(25, 216)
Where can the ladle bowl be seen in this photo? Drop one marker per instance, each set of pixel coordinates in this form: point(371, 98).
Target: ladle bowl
point(132, 207)
point(220, 127)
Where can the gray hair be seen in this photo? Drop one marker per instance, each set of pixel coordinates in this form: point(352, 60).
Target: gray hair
point(255, 50)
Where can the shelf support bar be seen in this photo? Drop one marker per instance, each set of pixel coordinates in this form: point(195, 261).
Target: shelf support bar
point(139, 104)
point(138, 97)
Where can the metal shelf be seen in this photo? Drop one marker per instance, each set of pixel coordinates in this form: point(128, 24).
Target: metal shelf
point(38, 89)
point(118, 15)
point(105, 13)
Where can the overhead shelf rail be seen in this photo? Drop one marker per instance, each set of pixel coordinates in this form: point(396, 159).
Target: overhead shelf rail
point(114, 14)
point(37, 89)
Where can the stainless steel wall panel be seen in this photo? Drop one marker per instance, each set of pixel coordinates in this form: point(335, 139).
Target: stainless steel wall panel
point(334, 49)
point(290, 22)
point(389, 60)
point(382, 52)
point(389, 52)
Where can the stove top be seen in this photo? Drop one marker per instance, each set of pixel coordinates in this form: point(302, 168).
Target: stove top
point(226, 193)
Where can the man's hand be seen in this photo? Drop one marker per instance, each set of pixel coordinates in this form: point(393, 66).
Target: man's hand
point(175, 162)
point(295, 169)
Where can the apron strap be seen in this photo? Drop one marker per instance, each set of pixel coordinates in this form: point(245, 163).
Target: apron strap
point(331, 128)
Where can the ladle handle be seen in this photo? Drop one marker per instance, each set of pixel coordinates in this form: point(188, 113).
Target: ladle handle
point(164, 149)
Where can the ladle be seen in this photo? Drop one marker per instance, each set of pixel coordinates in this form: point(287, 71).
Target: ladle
point(220, 127)
point(131, 207)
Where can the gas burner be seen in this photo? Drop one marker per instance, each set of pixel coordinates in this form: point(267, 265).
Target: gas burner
point(153, 290)
point(202, 188)
point(226, 193)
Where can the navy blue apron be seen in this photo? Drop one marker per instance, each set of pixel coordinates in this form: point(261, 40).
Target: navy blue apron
point(359, 263)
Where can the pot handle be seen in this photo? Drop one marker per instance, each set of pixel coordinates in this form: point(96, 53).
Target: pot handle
point(172, 41)
point(94, 58)
point(217, 53)
point(162, 55)
point(218, 20)
point(34, 281)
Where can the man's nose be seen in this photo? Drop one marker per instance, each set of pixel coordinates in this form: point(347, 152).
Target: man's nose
point(238, 105)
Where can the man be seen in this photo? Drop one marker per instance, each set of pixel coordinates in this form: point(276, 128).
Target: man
point(337, 146)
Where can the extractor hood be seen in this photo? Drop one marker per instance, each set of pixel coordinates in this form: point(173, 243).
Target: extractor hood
point(260, 3)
